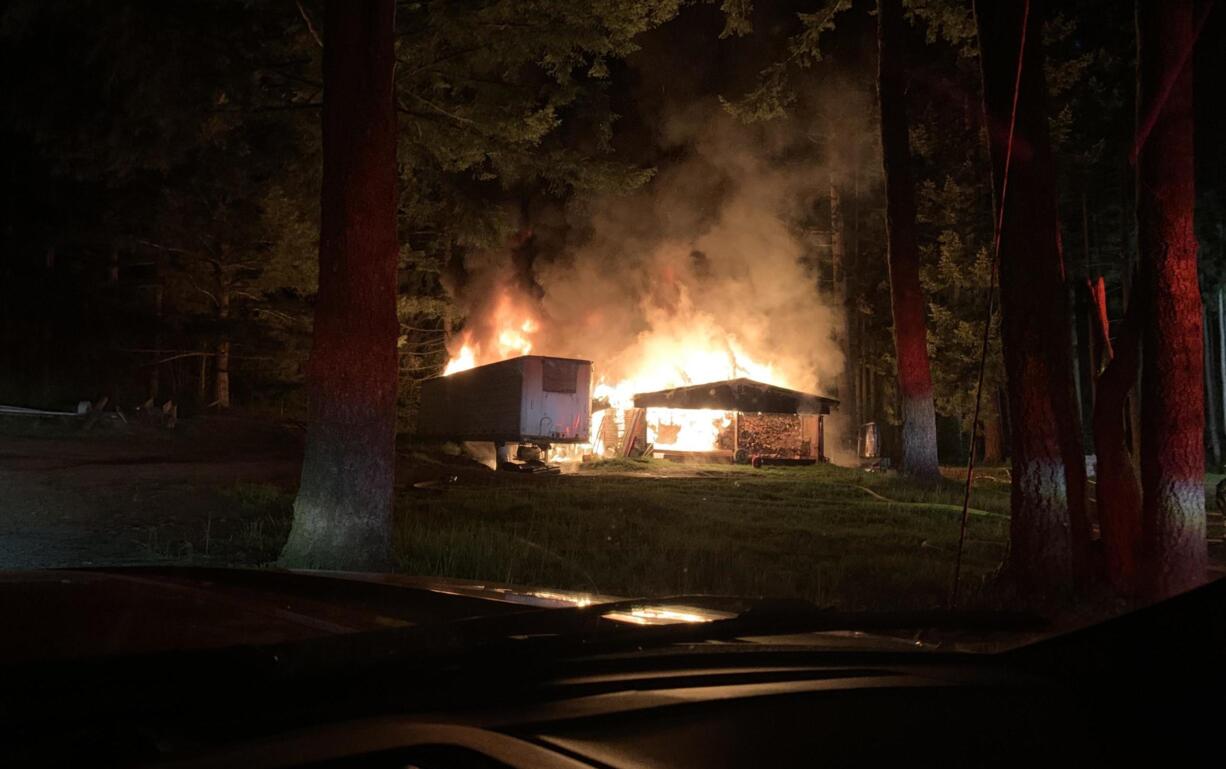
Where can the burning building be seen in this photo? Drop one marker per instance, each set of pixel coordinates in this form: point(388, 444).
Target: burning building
point(698, 281)
point(738, 420)
point(534, 402)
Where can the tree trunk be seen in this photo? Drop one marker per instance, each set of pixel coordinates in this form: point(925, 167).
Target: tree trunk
point(1221, 346)
point(838, 260)
point(855, 333)
point(155, 372)
point(1093, 349)
point(343, 512)
point(993, 431)
point(1132, 406)
point(221, 377)
point(1118, 487)
point(1075, 351)
point(204, 380)
point(1211, 415)
point(919, 429)
point(1172, 378)
point(1049, 531)
point(838, 249)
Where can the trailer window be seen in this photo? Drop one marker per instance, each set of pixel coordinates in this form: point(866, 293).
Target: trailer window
point(559, 376)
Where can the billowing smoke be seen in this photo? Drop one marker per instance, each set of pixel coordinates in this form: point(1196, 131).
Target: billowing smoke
point(702, 274)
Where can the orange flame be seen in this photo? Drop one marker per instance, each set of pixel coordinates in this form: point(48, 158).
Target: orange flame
point(681, 348)
point(510, 329)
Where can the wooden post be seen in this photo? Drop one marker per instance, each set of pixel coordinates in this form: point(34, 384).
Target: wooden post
point(821, 438)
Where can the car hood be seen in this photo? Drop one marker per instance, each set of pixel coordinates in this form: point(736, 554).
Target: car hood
point(105, 612)
point(71, 613)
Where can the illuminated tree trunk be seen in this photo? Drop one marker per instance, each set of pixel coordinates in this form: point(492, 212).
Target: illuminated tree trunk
point(1172, 376)
point(919, 430)
point(1049, 531)
point(342, 515)
point(1118, 488)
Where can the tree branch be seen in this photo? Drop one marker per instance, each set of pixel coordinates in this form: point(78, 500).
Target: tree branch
point(310, 24)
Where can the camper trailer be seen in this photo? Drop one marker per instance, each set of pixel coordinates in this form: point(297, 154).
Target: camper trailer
point(529, 403)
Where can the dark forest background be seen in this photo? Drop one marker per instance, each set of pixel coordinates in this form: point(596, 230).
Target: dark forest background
point(159, 210)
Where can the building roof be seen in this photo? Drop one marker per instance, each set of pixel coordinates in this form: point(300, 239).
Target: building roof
point(744, 395)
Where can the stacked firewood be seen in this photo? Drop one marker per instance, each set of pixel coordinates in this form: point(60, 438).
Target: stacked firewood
point(772, 435)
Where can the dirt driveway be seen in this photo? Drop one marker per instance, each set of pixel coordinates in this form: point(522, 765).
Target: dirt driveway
point(124, 494)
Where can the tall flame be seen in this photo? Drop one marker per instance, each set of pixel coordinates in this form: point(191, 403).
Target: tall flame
point(508, 331)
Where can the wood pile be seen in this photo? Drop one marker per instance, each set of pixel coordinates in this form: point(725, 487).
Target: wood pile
point(772, 435)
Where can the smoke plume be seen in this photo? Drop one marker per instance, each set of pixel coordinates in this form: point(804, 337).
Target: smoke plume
point(702, 274)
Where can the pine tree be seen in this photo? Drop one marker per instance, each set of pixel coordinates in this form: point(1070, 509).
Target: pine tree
point(919, 432)
point(1175, 551)
point(1049, 531)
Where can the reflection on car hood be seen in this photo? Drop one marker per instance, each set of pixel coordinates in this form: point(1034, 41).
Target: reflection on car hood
point(71, 613)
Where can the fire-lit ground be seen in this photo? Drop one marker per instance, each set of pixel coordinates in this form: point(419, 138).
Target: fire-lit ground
point(637, 528)
point(825, 533)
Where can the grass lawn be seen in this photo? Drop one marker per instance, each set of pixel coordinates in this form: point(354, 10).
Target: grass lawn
point(829, 534)
point(630, 527)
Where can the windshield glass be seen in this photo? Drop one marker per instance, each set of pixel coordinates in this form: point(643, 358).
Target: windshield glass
point(896, 309)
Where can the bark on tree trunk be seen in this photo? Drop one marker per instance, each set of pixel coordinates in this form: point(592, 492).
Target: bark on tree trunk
point(1049, 531)
point(1172, 378)
point(343, 512)
point(919, 430)
point(1118, 487)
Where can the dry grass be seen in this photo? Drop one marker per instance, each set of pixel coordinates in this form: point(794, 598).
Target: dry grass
point(832, 535)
